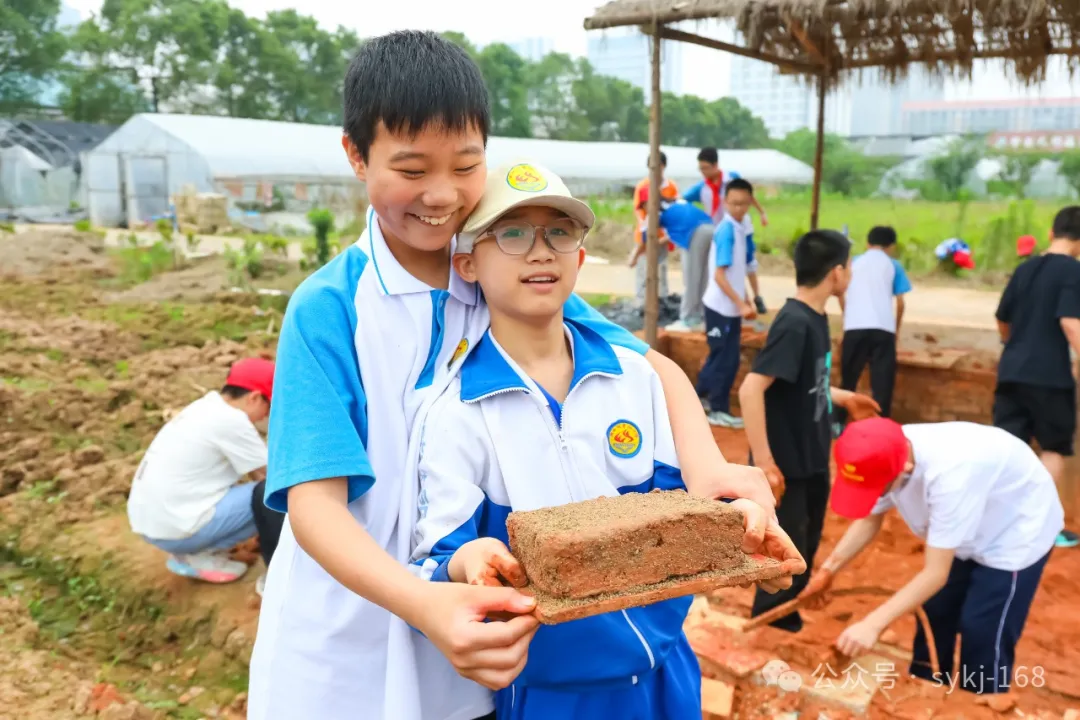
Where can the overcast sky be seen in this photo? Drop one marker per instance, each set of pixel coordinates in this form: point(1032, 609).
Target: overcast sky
point(705, 72)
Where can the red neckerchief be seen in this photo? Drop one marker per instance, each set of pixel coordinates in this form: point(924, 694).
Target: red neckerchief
point(715, 190)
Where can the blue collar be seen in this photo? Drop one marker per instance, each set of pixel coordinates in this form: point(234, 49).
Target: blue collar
point(488, 370)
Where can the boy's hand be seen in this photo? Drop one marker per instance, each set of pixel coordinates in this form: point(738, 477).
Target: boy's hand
point(775, 478)
point(748, 311)
point(759, 305)
point(492, 654)
point(816, 591)
point(860, 406)
point(483, 561)
point(764, 535)
point(634, 255)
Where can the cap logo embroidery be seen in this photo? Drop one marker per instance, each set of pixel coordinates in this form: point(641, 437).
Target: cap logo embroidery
point(526, 178)
point(624, 439)
point(849, 472)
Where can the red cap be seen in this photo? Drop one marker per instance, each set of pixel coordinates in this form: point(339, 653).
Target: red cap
point(1025, 245)
point(254, 374)
point(869, 455)
point(962, 258)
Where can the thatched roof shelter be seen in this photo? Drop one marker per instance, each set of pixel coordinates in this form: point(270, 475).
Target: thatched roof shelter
point(824, 39)
point(809, 36)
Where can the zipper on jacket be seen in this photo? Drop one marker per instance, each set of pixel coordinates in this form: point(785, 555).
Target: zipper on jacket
point(644, 642)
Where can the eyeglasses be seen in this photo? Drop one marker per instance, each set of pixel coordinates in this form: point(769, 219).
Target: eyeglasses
point(517, 237)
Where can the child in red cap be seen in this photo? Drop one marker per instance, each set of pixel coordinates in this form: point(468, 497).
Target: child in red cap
point(185, 498)
point(988, 512)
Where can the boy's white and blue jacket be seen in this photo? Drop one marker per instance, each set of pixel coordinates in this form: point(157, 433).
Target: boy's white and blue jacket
point(364, 347)
point(495, 441)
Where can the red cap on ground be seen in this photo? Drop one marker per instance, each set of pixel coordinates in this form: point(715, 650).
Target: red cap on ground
point(1025, 245)
point(963, 259)
point(869, 455)
point(254, 374)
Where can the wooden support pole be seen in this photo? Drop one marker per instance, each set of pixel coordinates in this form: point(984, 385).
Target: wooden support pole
point(656, 173)
point(819, 152)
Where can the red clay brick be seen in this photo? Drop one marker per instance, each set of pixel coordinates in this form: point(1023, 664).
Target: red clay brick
point(613, 544)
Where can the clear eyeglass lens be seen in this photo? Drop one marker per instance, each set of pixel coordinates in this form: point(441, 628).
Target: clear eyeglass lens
point(516, 238)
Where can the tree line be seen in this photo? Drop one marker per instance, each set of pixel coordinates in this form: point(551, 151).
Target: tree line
point(205, 57)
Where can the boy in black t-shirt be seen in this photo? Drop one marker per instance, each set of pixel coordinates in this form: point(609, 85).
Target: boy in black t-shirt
point(787, 403)
point(1039, 320)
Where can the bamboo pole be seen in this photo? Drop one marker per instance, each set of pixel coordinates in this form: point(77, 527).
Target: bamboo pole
point(819, 152)
point(652, 247)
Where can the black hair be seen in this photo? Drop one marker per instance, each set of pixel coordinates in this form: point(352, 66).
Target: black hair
point(663, 159)
point(817, 253)
point(739, 184)
point(881, 236)
point(409, 79)
point(234, 392)
point(1067, 223)
point(709, 155)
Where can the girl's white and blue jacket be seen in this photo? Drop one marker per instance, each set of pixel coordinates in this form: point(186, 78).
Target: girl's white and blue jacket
point(494, 442)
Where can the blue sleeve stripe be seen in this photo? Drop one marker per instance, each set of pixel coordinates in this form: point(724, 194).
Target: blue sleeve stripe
point(664, 477)
point(724, 239)
point(901, 284)
point(489, 520)
point(581, 312)
point(318, 420)
point(694, 193)
point(749, 248)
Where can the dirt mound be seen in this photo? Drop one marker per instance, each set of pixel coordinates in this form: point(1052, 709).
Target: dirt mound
point(611, 241)
point(204, 278)
point(38, 252)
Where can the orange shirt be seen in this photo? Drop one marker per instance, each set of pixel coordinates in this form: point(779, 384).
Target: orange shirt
point(668, 191)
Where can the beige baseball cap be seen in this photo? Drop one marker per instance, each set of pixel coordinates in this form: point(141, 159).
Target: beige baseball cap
point(519, 185)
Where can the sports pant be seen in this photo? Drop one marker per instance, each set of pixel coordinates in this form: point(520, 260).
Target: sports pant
point(641, 270)
point(717, 376)
point(268, 522)
point(987, 608)
point(801, 513)
point(878, 348)
point(695, 272)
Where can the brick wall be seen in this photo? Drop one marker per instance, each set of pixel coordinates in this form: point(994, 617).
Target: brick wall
point(928, 389)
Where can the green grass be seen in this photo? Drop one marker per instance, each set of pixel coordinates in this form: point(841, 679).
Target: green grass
point(990, 227)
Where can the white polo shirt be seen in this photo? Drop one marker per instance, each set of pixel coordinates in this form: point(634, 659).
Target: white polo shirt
point(190, 465)
point(876, 279)
point(732, 248)
point(363, 346)
point(980, 491)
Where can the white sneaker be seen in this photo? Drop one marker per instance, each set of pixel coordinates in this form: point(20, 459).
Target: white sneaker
point(260, 585)
point(723, 419)
point(207, 566)
point(679, 326)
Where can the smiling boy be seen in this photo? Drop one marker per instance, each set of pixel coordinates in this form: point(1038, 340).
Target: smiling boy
point(366, 342)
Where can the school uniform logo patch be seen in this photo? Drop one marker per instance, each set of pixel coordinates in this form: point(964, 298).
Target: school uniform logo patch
point(624, 439)
point(459, 351)
point(526, 178)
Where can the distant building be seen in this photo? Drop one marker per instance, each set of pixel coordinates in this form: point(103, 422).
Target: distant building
point(877, 105)
point(863, 105)
point(987, 116)
point(627, 56)
point(783, 102)
point(533, 49)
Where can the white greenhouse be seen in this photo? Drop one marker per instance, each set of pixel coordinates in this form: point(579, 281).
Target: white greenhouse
point(264, 165)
